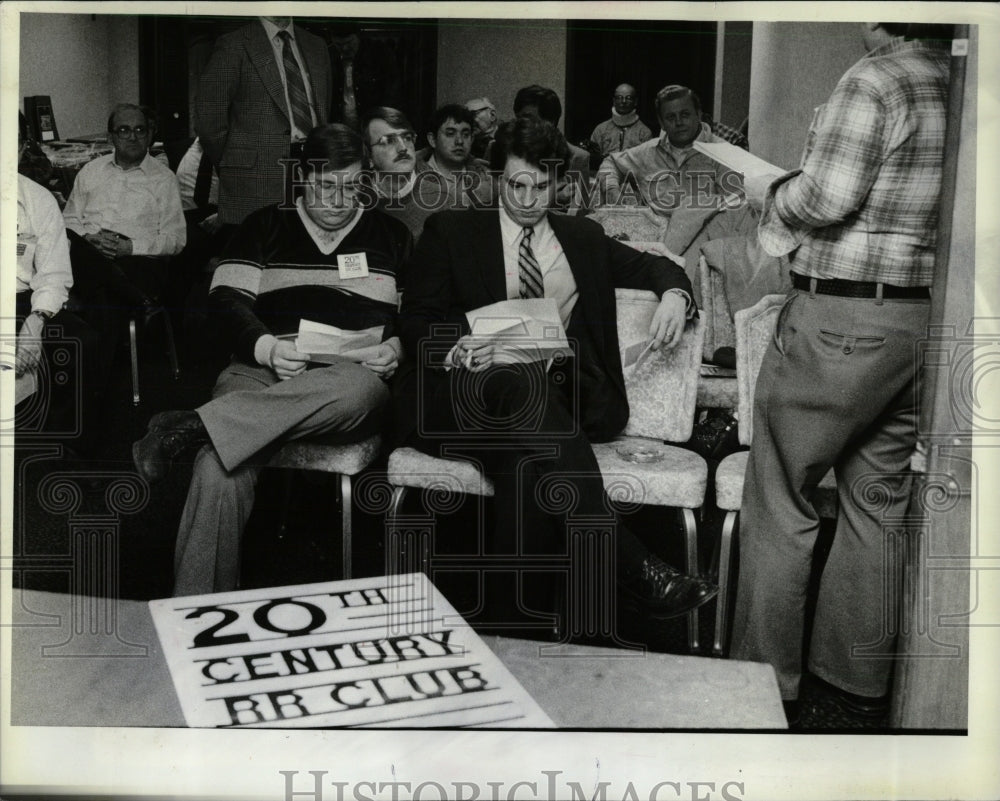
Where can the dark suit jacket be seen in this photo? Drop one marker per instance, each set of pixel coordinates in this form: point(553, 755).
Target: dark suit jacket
point(458, 266)
point(242, 118)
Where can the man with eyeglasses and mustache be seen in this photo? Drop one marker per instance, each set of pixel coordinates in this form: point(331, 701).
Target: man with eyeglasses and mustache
point(407, 188)
point(123, 219)
point(325, 259)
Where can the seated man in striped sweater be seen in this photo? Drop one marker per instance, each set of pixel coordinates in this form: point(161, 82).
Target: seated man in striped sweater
point(325, 259)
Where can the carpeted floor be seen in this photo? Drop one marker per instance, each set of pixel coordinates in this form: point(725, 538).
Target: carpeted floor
point(293, 534)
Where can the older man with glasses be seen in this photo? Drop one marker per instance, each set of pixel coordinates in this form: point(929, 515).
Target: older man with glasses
point(325, 259)
point(124, 219)
point(624, 129)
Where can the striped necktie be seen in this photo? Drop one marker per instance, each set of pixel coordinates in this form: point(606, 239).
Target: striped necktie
point(297, 97)
point(529, 273)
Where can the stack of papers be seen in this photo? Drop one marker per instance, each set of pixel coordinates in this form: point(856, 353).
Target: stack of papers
point(524, 330)
point(324, 342)
point(738, 159)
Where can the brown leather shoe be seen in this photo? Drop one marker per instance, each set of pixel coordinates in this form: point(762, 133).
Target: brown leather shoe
point(169, 435)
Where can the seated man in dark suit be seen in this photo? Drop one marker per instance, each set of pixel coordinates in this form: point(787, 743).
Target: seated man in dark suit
point(326, 260)
point(525, 425)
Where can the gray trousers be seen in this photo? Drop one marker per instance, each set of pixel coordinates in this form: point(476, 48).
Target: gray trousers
point(837, 388)
point(251, 414)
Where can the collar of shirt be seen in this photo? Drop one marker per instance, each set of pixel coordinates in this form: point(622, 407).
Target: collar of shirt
point(557, 276)
point(511, 231)
point(143, 165)
point(448, 175)
point(326, 241)
point(899, 45)
point(404, 190)
point(273, 30)
point(681, 154)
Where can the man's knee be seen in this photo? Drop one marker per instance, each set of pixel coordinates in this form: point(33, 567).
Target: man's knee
point(365, 391)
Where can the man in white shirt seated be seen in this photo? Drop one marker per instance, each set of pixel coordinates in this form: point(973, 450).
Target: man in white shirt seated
point(123, 219)
point(55, 348)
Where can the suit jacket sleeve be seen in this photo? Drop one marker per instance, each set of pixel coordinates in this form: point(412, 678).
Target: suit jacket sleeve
point(430, 311)
point(632, 269)
point(216, 89)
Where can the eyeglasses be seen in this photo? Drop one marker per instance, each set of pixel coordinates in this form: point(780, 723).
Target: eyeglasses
point(624, 97)
point(124, 131)
point(395, 139)
point(476, 111)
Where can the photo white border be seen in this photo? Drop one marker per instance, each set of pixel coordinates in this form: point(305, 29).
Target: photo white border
point(245, 764)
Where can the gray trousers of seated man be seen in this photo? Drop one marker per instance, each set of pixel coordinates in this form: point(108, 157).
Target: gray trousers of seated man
point(250, 415)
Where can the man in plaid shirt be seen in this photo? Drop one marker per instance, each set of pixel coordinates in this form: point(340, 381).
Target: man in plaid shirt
point(837, 385)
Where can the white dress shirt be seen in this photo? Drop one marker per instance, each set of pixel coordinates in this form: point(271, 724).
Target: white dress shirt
point(142, 203)
point(557, 277)
point(42, 248)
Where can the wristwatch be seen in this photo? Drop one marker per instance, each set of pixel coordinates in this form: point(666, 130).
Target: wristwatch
point(45, 315)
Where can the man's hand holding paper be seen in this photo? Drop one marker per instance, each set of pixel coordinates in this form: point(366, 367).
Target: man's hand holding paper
point(381, 359)
point(512, 331)
point(285, 360)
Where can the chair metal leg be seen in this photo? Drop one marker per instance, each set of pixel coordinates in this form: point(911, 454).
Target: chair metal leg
point(398, 493)
point(168, 329)
point(722, 599)
point(691, 566)
point(134, 349)
point(345, 522)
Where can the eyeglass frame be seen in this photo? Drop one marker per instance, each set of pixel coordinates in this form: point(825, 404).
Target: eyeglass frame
point(392, 139)
point(129, 132)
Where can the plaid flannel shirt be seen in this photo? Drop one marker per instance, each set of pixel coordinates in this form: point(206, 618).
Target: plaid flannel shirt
point(864, 205)
point(726, 132)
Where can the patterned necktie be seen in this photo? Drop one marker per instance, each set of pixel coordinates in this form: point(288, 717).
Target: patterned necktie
point(297, 97)
point(529, 273)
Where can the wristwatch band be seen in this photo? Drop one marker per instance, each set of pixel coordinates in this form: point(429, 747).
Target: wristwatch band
point(45, 315)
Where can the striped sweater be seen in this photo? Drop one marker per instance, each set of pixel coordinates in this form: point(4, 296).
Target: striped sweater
point(272, 275)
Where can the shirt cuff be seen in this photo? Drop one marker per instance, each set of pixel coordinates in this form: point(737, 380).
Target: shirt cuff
point(262, 349)
point(689, 307)
point(775, 236)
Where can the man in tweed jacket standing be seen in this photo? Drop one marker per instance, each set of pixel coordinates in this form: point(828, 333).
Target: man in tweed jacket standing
point(264, 88)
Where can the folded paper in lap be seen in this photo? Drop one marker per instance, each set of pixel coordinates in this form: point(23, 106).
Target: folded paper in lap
point(324, 342)
point(525, 330)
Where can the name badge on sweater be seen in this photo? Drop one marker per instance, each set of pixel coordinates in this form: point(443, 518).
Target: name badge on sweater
point(352, 265)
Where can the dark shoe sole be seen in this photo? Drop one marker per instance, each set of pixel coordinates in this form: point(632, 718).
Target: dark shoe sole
point(649, 609)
